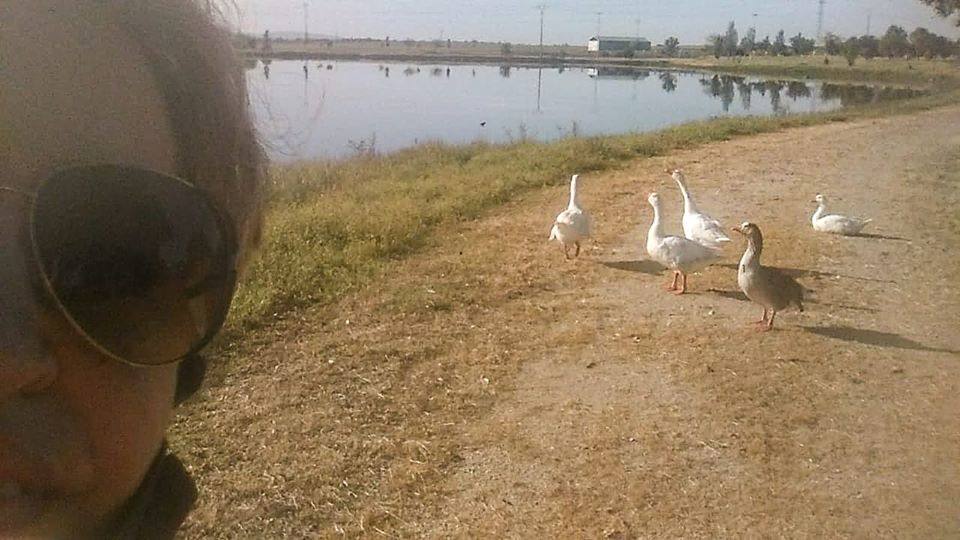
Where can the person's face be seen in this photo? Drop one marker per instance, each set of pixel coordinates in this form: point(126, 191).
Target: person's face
point(78, 431)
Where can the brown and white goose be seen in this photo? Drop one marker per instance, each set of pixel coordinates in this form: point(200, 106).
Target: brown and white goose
point(769, 287)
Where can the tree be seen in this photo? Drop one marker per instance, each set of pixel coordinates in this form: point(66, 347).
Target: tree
point(749, 41)
point(763, 46)
point(506, 49)
point(730, 40)
point(716, 43)
point(924, 42)
point(850, 50)
point(832, 43)
point(945, 8)
point(671, 46)
point(894, 42)
point(927, 44)
point(801, 45)
point(869, 46)
point(779, 44)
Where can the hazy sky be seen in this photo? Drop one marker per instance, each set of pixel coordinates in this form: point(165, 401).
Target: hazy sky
point(572, 21)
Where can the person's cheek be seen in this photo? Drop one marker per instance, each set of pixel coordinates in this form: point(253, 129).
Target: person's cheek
point(125, 411)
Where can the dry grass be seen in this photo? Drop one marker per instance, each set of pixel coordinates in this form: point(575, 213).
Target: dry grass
point(484, 387)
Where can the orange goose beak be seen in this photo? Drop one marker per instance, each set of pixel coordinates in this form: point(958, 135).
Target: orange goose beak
point(738, 229)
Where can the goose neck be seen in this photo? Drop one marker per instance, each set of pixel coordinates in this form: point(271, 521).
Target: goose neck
point(688, 204)
point(751, 257)
point(821, 209)
point(654, 234)
point(574, 199)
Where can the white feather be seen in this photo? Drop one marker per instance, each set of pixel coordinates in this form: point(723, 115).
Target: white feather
point(573, 224)
point(698, 226)
point(676, 252)
point(835, 223)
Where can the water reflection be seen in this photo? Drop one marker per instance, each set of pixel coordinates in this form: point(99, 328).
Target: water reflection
point(668, 81)
point(307, 115)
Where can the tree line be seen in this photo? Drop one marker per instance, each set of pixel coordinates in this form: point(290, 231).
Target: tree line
point(894, 43)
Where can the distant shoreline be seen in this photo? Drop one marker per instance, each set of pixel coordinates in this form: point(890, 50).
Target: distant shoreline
point(454, 58)
point(877, 71)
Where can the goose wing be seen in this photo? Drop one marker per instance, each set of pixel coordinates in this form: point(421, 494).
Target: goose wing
point(574, 221)
point(704, 229)
point(845, 224)
point(685, 254)
point(782, 289)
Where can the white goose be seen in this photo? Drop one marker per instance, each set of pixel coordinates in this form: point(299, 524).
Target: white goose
point(677, 253)
point(698, 226)
point(835, 223)
point(573, 224)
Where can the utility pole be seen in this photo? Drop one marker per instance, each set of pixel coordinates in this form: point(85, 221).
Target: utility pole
point(637, 20)
point(599, 14)
point(820, 20)
point(541, 7)
point(306, 16)
point(869, 14)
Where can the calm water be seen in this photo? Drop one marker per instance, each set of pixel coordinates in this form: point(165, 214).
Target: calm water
point(336, 109)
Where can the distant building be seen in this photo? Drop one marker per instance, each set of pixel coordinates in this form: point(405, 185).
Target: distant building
point(617, 44)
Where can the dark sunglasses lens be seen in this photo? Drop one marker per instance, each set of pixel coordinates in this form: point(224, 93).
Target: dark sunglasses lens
point(138, 260)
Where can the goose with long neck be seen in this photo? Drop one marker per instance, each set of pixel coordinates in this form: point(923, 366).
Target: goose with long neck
point(769, 287)
point(573, 225)
point(697, 225)
point(677, 253)
point(835, 223)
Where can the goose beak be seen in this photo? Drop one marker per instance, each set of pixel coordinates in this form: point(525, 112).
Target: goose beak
point(738, 229)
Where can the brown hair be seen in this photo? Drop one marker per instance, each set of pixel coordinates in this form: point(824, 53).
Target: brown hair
point(205, 89)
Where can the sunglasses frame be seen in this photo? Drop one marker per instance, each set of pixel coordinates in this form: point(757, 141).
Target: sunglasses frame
point(225, 229)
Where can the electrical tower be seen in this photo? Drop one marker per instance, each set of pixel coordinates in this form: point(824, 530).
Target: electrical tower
point(820, 20)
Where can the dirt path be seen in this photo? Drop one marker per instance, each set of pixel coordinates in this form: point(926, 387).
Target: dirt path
point(488, 388)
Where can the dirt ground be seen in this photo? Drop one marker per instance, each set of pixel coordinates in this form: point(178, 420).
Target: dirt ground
point(487, 387)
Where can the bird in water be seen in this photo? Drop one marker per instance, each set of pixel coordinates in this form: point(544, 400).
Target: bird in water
point(769, 287)
point(835, 223)
point(573, 225)
point(677, 253)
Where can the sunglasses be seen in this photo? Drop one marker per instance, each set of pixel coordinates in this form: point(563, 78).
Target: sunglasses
point(142, 264)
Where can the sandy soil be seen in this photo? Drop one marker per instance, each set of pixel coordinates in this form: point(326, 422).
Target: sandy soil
point(487, 387)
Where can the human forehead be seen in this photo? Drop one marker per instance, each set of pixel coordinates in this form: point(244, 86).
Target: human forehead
point(75, 89)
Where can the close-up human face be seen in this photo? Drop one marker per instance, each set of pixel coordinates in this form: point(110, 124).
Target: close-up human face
point(78, 428)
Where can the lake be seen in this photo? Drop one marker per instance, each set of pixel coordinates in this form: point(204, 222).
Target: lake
point(336, 109)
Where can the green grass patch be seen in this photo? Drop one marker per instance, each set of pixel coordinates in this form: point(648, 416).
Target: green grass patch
point(333, 226)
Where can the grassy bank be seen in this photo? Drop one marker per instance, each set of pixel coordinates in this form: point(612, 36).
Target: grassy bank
point(333, 226)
